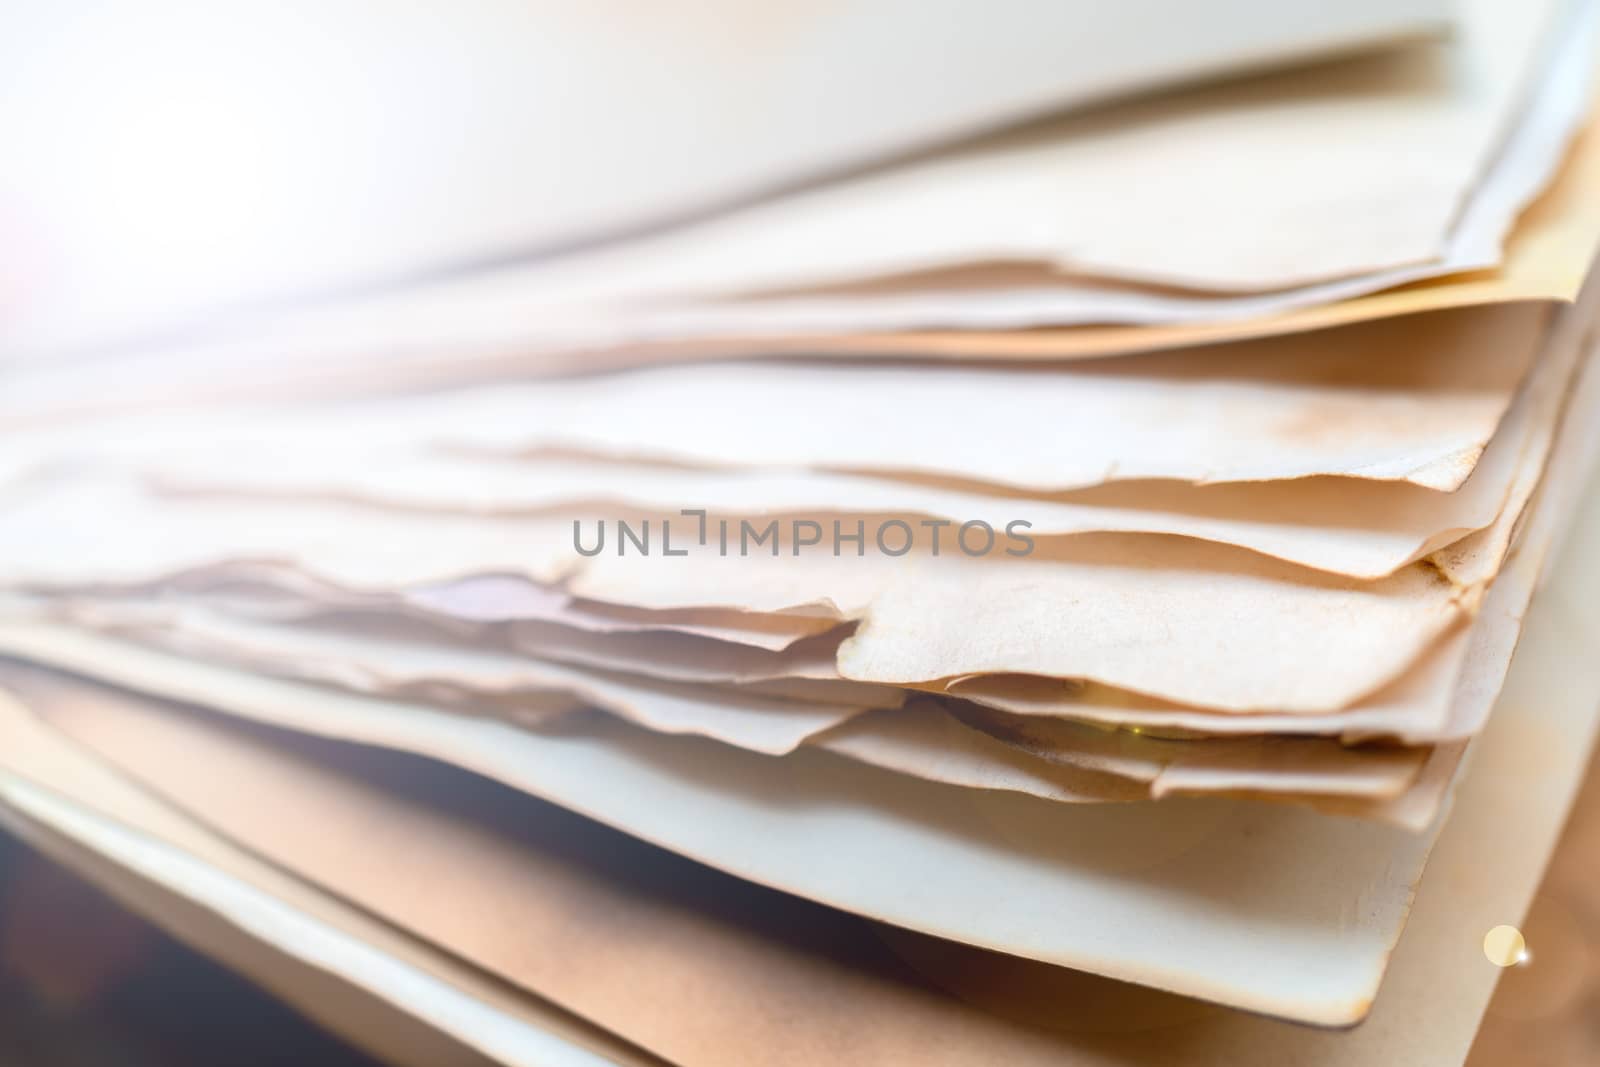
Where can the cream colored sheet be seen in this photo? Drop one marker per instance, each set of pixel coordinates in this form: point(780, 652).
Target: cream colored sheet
point(570, 768)
point(922, 739)
point(946, 1004)
point(744, 813)
point(1416, 399)
point(652, 113)
point(1342, 525)
point(1547, 258)
point(894, 994)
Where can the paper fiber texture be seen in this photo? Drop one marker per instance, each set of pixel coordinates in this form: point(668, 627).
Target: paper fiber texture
point(906, 636)
point(1446, 700)
point(1346, 526)
point(928, 742)
point(1250, 412)
point(1401, 616)
point(490, 654)
point(745, 813)
point(922, 739)
point(872, 993)
point(1445, 697)
point(499, 680)
point(952, 1004)
point(1377, 628)
point(283, 593)
point(567, 769)
point(1414, 399)
point(1428, 1009)
point(1341, 525)
point(1202, 584)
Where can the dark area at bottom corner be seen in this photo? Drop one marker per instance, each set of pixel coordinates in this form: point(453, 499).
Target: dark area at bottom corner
point(84, 983)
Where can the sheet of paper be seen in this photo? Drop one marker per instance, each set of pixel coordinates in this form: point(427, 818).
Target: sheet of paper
point(402, 666)
point(922, 740)
point(1347, 526)
point(1415, 398)
point(1423, 418)
point(906, 635)
point(355, 353)
point(744, 813)
point(1028, 282)
point(264, 591)
point(652, 115)
point(931, 742)
point(1016, 232)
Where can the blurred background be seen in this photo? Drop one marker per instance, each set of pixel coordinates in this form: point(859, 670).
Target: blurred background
point(85, 983)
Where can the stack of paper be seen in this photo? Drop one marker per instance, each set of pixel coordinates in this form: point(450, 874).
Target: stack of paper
point(885, 687)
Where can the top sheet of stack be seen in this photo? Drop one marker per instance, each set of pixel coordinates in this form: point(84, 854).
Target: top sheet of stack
point(525, 128)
